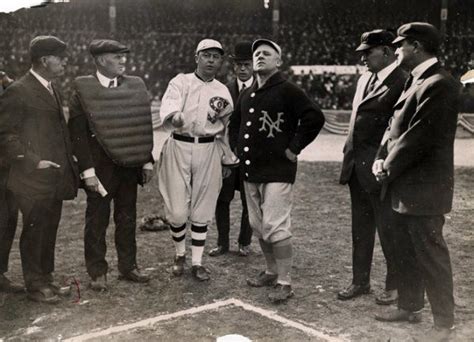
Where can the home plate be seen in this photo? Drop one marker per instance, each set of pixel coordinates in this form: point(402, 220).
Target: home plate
point(224, 321)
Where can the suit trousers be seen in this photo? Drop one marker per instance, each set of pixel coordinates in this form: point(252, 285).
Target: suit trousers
point(424, 263)
point(369, 214)
point(8, 220)
point(122, 190)
point(229, 185)
point(38, 239)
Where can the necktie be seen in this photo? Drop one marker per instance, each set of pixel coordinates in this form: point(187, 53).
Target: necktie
point(371, 85)
point(111, 84)
point(243, 87)
point(50, 88)
point(408, 83)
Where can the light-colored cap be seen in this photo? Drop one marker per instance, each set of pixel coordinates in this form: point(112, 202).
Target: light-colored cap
point(207, 44)
point(468, 77)
point(268, 42)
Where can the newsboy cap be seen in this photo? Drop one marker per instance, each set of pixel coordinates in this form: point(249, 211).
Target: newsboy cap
point(242, 51)
point(268, 42)
point(423, 32)
point(100, 46)
point(375, 38)
point(207, 44)
point(47, 46)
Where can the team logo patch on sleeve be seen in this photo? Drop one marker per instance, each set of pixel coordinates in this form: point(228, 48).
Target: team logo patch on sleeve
point(217, 104)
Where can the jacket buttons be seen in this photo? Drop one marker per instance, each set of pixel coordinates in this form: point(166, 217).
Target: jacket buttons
point(246, 148)
point(252, 95)
point(247, 162)
point(251, 110)
point(246, 136)
point(249, 123)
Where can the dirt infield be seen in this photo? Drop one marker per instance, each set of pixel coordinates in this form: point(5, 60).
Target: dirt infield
point(321, 221)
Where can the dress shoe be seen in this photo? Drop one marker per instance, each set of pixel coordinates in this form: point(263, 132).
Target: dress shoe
point(99, 283)
point(135, 276)
point(6, 285)
point(262, 279)
point(244, 250)
point(43, 295)
point(387, 297)
point(219, 250)
point(60, 290)
point(399, 315)
point(200, 273)
point(353, 291)
point(280, 293)
point(178, 267)
point(438, 334)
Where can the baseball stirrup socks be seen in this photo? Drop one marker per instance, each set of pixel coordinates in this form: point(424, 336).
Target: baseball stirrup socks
point(283, 252)
point(269, 257)
point(198, 240)
point(179, 238)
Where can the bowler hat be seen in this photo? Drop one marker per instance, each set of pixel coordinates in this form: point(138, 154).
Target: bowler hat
point(423, 32)
point(242, 51)
point(100, 46)
point(375, 38)
point(47, 46)
point(268, 42)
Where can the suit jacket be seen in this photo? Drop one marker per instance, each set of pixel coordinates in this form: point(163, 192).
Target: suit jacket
point(234, 93)
point(369, 119)
point(33, 128)
point(88, 150)
point(418, 146)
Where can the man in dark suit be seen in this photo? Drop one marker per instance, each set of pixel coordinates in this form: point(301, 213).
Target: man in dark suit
point(8, 212)
point(43, 173)
point(243, 69)
point(113, 138)
point(377, 91)
point(415, 164)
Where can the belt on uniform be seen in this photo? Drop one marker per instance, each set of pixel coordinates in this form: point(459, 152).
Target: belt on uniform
point(198, 140)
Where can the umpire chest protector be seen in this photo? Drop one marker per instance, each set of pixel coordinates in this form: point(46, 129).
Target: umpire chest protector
point(119, 117)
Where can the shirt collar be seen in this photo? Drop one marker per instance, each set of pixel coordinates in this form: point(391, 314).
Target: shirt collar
point(40, 78)
point(422, 67)
point(247, 83)
point(383, 74)
point(200, 78)
point(105, 81)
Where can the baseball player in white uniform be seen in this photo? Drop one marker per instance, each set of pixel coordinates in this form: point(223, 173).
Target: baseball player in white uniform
point(196, 108)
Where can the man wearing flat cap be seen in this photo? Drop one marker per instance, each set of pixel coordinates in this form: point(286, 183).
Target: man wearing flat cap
point(377, 91)
point(112, 136)
point(196, 109)
point(274, 121)
point(243, 70)
point(34, 133)
point(415, 165)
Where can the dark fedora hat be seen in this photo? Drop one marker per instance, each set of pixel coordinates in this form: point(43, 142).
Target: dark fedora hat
point(242, 51)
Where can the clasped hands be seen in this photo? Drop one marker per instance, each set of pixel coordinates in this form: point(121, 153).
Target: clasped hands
point(378, 170)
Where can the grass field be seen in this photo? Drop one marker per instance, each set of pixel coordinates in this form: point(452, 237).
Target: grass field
point(321, 221)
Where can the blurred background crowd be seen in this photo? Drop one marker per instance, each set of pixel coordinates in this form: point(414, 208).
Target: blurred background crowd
point(163, 34)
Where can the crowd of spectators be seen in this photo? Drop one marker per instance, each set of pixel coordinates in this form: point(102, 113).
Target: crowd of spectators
point(162, 35)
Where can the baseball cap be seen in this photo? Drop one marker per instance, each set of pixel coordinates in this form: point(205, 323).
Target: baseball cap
point(423, 32)
point(207, 44)
point(375, 38)
point(101, 46)
point(268, 42)
point(47, 46)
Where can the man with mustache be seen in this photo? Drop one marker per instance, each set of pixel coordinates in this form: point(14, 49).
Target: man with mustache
point(274, 120)
point(34, 134)
point(196, 109)
point(377, 91)
point(112, 135)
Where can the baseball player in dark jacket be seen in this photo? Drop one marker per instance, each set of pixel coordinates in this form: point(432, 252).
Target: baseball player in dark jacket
point(275, 121)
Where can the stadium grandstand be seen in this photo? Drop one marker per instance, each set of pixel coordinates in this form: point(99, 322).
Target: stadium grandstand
point(317, 36)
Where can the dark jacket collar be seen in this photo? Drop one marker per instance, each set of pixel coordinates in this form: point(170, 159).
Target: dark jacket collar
point(275, 79)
